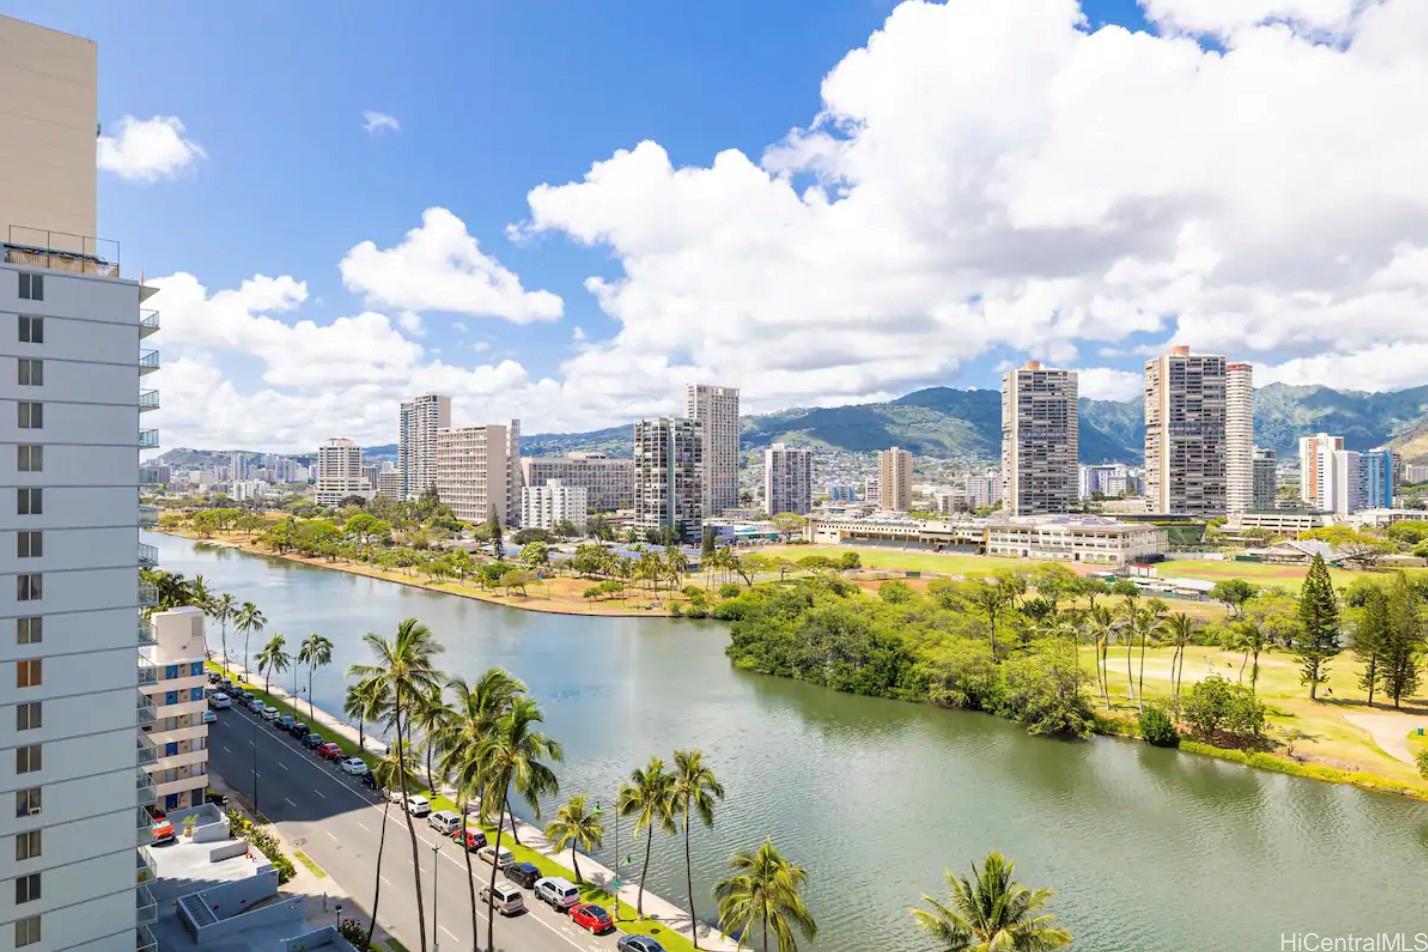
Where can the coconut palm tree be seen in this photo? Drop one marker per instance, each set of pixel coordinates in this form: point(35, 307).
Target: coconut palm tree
point(695, 790)
point(429, 717)
point(403, 672)
point(991, 912)
point(363, 701)
point(514, 755)
point(315, 652)
point(1179, 628)
point(273, 657)
point(765, 892)
point(387, 773)
point(248, 620)
point(649, 798)
point(1102, 625)
point(222, 609)
point(199, 595)
point(575, 827)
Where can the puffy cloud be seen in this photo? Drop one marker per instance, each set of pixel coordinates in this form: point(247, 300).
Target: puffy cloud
point(376, 123)
point(146, 150)
point(1103, 383)
point(440, 267)
point(1224, 17)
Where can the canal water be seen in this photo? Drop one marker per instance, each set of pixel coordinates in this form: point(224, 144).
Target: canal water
point(1146, 849)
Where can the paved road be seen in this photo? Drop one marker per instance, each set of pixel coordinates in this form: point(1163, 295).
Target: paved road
point(337, 822)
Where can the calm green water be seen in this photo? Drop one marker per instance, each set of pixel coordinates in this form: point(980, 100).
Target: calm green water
point(1146, 849)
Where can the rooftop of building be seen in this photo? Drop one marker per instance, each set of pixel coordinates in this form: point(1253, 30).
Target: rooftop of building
point(1065, 520)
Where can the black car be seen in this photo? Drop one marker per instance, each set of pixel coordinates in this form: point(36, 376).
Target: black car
point(299, 730)
point(313, 741)
point(523, 874)
point(227, 685)
point(369, 780)
point(214, 677)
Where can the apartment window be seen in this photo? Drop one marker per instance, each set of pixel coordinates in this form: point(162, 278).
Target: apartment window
point(27, 930)
point(29, 544)
point(32, 415)
point(31, 372)
point(32, 329)
point(29, 587)
point(32, 286)
point(29, 501)
point(30, 458)
point(29, 630)
point(29, 759)
point(28, 802)
point(29, 716)
point(27, 845)
point(27, 888)
point(29, 673)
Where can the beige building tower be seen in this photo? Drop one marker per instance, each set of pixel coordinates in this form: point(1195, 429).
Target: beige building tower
point(716, 409)
point(475, 471)
point(1314, 452)
point(421, 417)
point(1185, 442)
point(1239, 437)
point(1040, 440)
point(669, 473)
point(894, 480)
point(339, 472)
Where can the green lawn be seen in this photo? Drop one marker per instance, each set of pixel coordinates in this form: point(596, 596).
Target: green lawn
point(876, 557)
point(1260, 573)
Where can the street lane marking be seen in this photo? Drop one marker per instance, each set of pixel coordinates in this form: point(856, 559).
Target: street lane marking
point(385, 880)
point(282, 765)
point(331, 837)
point(363, 825)
point(227, 748)
point(290, 801)
point(450, 933)
point(318, 792)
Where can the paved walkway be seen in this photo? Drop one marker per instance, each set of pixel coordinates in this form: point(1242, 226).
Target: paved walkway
point(1390, 731)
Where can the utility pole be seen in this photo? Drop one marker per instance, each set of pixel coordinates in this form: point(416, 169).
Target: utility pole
point(435, 869)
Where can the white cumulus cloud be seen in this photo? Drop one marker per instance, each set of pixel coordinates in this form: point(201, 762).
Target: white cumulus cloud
point(376, 123)
point(146, 150)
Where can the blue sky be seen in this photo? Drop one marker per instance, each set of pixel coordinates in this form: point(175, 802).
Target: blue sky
point(495, 100)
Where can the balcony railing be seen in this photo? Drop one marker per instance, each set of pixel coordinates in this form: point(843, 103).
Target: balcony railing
point(146, 632)
point(148, 400)
point(148, 595)
point(144, 905)
point(148, 555)
point(148, 672)
point(148, 517)
point(145, 941)
point(148, 361)
point(144, 869)
point(148, 322)
point(145, 709)
point(148, 439)
point(144, 828)
point(61, 251)
point(144, 790)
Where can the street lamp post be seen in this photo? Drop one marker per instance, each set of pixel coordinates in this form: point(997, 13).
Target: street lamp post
point(435, 869)
point(255, 767)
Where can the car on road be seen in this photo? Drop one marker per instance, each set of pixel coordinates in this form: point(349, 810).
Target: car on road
point(313, 741)
point(219, 701)
point(162, 829)
point(369, 780)
point(299, 730)
point(226, 684)
point(472, 838)
point(355, 766)
point(209, 717)
point(556, 892)
point(507, 898)
point(522, 874)
point(214, 677)
point(592, 917)
point(286, 722)
point(638, 943)
point(270, 714)
point(418, 805)
point(502, 859)
point(256, 706)
point(444, 822)
point(329, 751)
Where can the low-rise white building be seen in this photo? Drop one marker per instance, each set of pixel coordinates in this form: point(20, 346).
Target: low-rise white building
point(1286, 522)
point(1075, 539)
point(174, 744)
point(547, 506)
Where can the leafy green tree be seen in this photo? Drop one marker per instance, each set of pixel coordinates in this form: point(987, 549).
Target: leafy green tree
point(1404, 645)
point(273, 657)
point(649, 798)
point(1157, 728)
point(493, 532)
point(535, 554)
point(1371, 638)
point(991, 912)
point(248, 620)
point(959, 673)
point(315, 652)
point(1215, 707)
point(223, 609)
point(362, 702)
point(1234, 593)
point(765, 890)
point(1042, 690)
point(1317, 640)
point(575, 828)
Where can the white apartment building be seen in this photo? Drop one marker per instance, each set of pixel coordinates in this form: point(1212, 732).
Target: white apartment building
point(1185, 441)
point(174, 747)
point(1068, 538)
point(1239, 437)
point(548, 505)
point(476, 473)
point(73, 363)
point(1312, 450)
point(983, 491)
point(609, 482)
point(716, 409)
point(669, 476)
point(1341, 482)
point(1415, 472)
point(339, 472)
point(421, 418)
point(1040, 439)
point(894, 480)
point(391, 484)
point(1265, 471)
point(788, 480)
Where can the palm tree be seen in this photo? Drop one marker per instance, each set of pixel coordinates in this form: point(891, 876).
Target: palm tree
point(1179, 628)
point(429, 717)
point(198, 594)
point(695, 789)
point(316, 652)
point(363, 701)
point(402, 672)
point(991, 913)
point(223, 609)
point(386, 773)
point(248, 620)
point(513, 755)
point(1102, 624)
point(574, 826)
point(764, 891)
point(990, 599)
point(649, 797)
point(1250, 638)
point(272, 658)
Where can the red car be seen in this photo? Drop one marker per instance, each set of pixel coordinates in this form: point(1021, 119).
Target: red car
point(474, 839)
point(162, 829)
point(592, 917)
point(329, 751)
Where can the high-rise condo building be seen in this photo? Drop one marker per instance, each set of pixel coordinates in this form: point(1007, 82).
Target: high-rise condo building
point(1040, 440)
point(475, 472)
point(72, 333)
point(669, 477)
point(1185, 433)
point(1380, 471)
point(1341, 481)
point(788, 480)
point(175, 746)
point(608, 482)
point(716, 409)
point(421, 417)
point(1239, 437)
point(1266, 479)
point(1312, 454)
point(548, 505)
point(894, 480)
point(339, 472)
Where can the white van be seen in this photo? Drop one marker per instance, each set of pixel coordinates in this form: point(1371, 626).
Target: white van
point(508, 897)
point(444, 822)
point(558, 893)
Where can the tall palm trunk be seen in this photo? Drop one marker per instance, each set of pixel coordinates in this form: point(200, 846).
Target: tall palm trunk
point(512, 814)
point(470, 873)
point(689, 879)
point(1106, 670)
point(644, 871)
point(1130, 678)
point(377, 888)
point(406, 812)
point(1140, 687)
point(491, 893)
point(310, 715)
point(225, 648)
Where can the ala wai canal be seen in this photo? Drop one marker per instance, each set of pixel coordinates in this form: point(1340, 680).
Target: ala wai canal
point(1147, 849)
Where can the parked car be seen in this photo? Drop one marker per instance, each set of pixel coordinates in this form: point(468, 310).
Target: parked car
point(592, 917)
point(355, 766)
point(444, 822)
point(213, 677)
point(369, 780)
point(299, 730)
point(286, 722)
point(226, 684)
point(256, 706)
point(418, 805)
point(209, 717)
point(270, 714)
point(638, 943)
point(503, 859)
point(556, 892)
point(329, 751)
point(472, 838)
point(162, 829)
point(507, 898)
point(522, 874)
point(394, 796)
point(313, 741)
point(220, 701)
